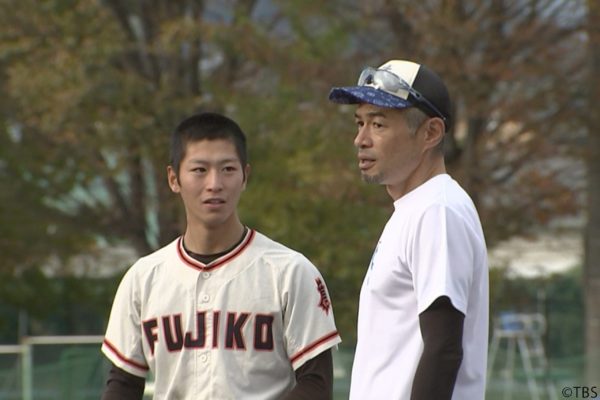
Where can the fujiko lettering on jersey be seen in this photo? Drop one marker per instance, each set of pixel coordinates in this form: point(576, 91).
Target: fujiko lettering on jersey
point(169, 330)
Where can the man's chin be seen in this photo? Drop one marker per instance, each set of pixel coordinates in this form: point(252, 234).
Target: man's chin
point(376, 179)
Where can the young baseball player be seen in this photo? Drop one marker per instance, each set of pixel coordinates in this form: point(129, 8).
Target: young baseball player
point(423, 310)
point(222, 312)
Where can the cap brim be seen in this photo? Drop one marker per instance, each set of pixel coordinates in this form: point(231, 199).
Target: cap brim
point(367, 94)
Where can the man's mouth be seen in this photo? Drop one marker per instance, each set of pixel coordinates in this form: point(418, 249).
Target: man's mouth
point(365, 163)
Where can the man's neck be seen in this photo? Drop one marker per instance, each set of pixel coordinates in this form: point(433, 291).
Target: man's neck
point(431, 166)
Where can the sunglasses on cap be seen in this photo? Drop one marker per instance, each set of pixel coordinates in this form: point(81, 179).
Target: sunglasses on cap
point(391, 83)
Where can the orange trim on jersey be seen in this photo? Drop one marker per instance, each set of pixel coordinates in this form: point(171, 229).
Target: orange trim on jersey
point(190, 261)
point(312, 346)
point(121, 357)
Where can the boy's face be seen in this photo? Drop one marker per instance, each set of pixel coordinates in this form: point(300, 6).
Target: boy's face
point(211, 180)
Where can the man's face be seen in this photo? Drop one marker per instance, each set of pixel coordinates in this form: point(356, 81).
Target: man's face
point(389, 152)
point(211, 180)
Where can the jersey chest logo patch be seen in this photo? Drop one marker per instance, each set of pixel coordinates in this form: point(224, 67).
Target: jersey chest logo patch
point(324, 302)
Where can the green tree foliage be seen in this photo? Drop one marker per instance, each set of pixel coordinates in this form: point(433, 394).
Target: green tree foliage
point(37, 304)
point(28, 228)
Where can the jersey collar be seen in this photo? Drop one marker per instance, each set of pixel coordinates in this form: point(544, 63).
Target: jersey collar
point(224, 259)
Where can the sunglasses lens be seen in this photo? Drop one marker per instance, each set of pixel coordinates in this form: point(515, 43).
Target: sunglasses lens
point(366, 77)
point(384, 80)
point(389, 81)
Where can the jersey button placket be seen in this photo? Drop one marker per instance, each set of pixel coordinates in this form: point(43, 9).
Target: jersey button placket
point(203, 373)
point(204, 300)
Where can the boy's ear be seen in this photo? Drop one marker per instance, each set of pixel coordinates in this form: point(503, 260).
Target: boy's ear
point(173, 180)
point(247, 170)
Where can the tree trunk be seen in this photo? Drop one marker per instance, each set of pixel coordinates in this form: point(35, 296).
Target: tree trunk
point(471, 183)
point(592, 233)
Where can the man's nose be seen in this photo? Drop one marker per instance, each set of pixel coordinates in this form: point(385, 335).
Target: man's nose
point(362, 138)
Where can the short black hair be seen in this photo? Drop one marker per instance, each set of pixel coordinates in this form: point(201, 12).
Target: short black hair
point(206, 126)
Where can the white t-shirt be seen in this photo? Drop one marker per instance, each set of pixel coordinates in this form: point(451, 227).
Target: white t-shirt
point(236, 328)
point(432, 246)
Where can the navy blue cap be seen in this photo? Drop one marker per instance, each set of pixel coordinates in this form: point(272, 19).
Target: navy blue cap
point(419, 77)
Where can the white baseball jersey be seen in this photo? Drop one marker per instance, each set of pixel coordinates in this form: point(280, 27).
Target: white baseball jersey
point(236, 328)
point(432, 246)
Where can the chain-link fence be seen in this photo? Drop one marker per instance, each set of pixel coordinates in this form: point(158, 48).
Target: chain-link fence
point(72, 368)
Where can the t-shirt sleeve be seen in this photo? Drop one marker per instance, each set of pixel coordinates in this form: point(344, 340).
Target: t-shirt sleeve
point(309, 325)
point(443, 258)
point(122, 343)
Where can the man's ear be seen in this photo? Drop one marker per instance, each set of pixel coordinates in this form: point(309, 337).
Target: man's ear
point(173, 180)
point(434, 132)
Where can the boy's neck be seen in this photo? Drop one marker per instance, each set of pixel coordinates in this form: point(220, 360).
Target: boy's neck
point(212, 240)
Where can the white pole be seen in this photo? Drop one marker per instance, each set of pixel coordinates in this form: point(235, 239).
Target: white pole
point(27, 372)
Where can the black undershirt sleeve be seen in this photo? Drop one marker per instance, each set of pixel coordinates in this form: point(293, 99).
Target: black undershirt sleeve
point(122, 385)
point(314, 379)
point(442, 330)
